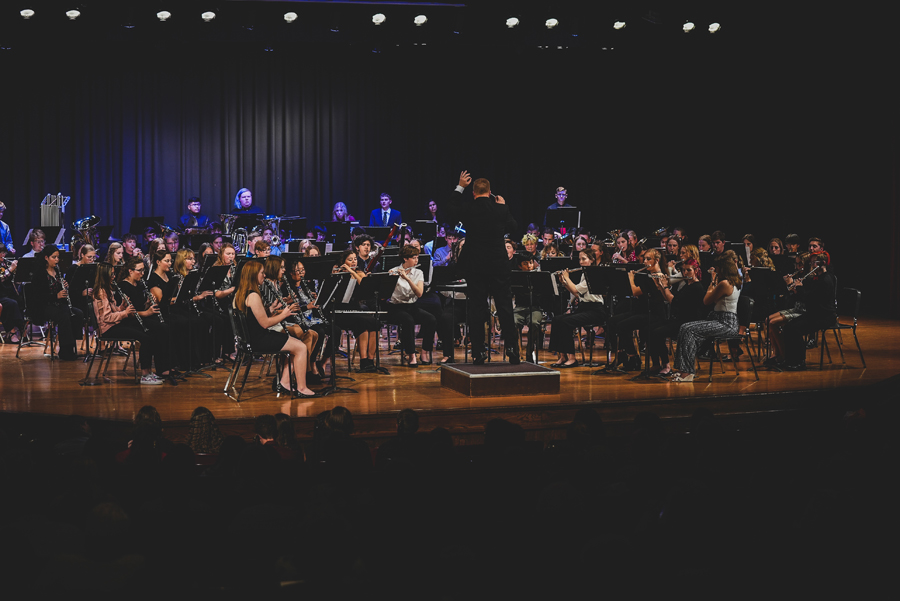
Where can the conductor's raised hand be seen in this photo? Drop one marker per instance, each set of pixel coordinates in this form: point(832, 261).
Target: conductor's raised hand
point(464, 179)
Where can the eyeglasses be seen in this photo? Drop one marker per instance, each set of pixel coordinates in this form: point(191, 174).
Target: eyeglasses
point(141, 270)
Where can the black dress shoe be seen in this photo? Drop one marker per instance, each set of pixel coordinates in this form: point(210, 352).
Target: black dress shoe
point(279, 389)
point(478, 359)
point(512, 354)
point(795, 367)
point(449, 360)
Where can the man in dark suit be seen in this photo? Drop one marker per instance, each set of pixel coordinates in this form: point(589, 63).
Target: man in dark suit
point(385, 216)
point(484, 263)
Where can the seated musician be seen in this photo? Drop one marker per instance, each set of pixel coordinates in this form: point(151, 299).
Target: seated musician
point(36, 241)
point(704, 244)
point(118, 318)
point(776, 247)
point(403, 310)
point(268, 235)
point(550, 251)
point(312, 316)
point(625, 252)
point(581, 242)
point(212, 341)
point(340, 213)
point(722, 294)
point(442, 255)
point(792, 244)
point(648, 310)
point(129, 242)
point(818, 292)
point(189, 336)
point(227, 258)
point(364, 245)
point(79, 290)
point(48, 299)
point(296, 325)
point(364, 327)
point(685, 300)
point(795, 308)
point(243, 203)
point(12, 319)
point(601, 257)
point(247, 299)
point(525, 314)
point(173, 242)
point(194, 221)
point(590, 311)
point(529, 244)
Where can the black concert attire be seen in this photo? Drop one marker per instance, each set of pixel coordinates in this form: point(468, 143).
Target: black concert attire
point(160, 332)
point(253, 210)
point(189, 220)
point(261, 339)
point(619, 328)
point(211, 323)
point(485, 266)
point(686, 306)
point(589, 311)
point(9, 299)
point(113, 320)
point(818, 295)
point(187, 335)
point(44, 305)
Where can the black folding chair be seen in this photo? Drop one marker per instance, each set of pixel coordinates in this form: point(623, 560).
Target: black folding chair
point(744, 311)
point(848, 302)
point(245, 351)
point(106, 353)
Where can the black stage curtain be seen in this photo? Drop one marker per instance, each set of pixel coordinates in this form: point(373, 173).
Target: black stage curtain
point(733, 141)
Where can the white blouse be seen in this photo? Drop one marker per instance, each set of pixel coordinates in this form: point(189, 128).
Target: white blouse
point(403, 292)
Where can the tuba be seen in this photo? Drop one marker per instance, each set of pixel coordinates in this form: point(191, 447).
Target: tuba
point(86, 231)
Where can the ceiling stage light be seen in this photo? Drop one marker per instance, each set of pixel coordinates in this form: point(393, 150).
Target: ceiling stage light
point(27, 13)
point(512, 22)
point(714, 27)
point(420, 20)
point(687, 27)
point(73, 14)
point(551, 23)
point(208, 16)
point(619, 25)
point(163, 15)
point(378, 18)
point(290, 17)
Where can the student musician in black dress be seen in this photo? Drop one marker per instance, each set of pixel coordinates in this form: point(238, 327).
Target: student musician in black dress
point(189, 336)
point(263, 340)
point(130, 282)
point(212, 331)
point(47, 298)
point(118, 318)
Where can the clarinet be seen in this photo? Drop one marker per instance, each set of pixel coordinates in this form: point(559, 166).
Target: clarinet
point(130, 306)
point(64, 285)
point(228, 283)
point(316, 312)
point(178, 291)
point(275, 294)
point(152, 300)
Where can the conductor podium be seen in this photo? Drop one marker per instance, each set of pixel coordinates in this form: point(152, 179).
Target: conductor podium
point(499, 379)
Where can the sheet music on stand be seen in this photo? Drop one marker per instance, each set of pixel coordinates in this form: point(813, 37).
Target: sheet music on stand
point(53, 209)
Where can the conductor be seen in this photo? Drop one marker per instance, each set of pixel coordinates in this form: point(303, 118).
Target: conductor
point(484, 263)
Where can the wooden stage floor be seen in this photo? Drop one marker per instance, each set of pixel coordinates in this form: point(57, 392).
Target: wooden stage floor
point(34, 384)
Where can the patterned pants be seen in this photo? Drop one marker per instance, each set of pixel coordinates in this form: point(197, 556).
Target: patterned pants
point(692, 334)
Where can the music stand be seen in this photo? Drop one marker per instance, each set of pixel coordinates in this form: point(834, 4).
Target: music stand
point(569, 217)
point(648, 288)
point(425, 230)
point(377, 232)
point(540, 282)
point(293, 227)
point(338, 231)
point(380, 286)
point(333, 288)
point(614, 282)
point(191, 280)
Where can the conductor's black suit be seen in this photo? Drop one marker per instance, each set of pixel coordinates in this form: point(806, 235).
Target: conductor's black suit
point(484, 264)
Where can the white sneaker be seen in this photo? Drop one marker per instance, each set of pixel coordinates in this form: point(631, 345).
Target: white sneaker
point(151, 380)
